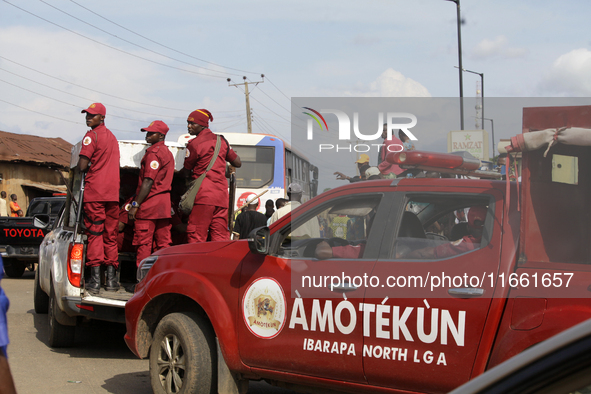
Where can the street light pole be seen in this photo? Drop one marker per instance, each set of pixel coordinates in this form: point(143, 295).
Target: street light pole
point(459, 20)
point(481, 89)
point(492, 125)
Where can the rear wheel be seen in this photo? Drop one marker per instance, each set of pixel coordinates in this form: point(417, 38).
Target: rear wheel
point(40, 298)
point(13, 268)
point(183, 356)
point(59, 334)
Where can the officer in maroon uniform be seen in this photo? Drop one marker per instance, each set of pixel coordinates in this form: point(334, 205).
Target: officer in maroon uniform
point(476, 219)
point(100, 157)
point(210, 211)
point(151, 208)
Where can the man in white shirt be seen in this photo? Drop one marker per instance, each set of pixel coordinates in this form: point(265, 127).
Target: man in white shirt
point(3, 205)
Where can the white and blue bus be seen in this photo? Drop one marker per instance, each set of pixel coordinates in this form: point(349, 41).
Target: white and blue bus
point(268, 163)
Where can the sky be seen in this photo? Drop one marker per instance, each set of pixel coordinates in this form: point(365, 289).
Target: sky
point(160, 60)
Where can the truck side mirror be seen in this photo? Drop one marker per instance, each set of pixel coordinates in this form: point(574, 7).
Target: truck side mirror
point(258, 240)
point(41, 220)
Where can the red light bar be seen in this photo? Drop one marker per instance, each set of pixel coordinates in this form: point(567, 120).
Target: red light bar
point(443, 161)
point(87, 307)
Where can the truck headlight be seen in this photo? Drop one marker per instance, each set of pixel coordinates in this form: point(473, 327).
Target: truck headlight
point(144, 267)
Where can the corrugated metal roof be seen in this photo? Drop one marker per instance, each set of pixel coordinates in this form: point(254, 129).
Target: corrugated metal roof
point(31, 148)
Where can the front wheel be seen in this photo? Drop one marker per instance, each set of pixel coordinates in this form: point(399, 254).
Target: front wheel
point(183, 356)
point(13, 268)
point(40, 298)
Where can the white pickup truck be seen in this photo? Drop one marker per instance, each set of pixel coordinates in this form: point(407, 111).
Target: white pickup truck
point(59, 280)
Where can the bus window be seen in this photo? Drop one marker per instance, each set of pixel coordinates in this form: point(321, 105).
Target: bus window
point(257, 166)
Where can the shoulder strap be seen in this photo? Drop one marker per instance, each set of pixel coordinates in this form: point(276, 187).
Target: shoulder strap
point(216, 152)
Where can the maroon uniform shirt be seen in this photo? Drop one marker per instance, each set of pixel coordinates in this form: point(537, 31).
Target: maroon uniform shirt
point(102, 179)
point(214, 189)
point(157, 164)
point(463, 245)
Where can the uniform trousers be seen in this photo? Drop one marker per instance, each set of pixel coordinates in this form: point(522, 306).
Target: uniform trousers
point(150, 235)
point(101, 220)
point(206, 218)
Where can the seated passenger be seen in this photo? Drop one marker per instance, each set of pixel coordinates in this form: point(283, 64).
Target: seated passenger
point(325, 251)
point(476, 218)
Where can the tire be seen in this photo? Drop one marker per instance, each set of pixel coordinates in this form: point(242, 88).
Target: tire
point(59, 334)
point(40, 298)
point(183, 356)
point(13, 269)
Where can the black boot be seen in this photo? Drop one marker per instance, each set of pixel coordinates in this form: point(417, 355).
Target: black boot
point(112, 284)
point(93, 286)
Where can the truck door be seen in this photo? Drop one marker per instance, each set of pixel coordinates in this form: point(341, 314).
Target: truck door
point(423, 323)
point(294, 321)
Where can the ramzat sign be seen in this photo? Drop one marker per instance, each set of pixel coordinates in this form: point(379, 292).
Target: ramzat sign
point(345, 124)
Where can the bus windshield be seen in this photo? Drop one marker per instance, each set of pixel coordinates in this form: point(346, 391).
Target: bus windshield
point(257, 166)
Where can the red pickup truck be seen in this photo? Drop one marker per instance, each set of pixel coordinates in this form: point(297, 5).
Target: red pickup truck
point(406, 298)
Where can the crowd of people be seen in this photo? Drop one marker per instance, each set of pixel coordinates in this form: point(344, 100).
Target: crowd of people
point(146, 221)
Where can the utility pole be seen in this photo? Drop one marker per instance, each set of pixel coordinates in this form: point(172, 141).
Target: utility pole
point(248, 116)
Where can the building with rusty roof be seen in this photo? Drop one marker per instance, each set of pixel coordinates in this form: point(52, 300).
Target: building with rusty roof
point(32, 166)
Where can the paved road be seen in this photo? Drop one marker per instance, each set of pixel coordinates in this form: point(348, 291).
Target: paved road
point(99, 363)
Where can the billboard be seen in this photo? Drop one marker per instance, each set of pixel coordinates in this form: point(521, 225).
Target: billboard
point(473, 141)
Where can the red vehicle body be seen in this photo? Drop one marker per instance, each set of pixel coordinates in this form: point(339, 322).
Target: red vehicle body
point(277, 313)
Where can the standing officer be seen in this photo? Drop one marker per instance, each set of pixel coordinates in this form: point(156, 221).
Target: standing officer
point(210, 210)
point(100, 157)
point(151, 208)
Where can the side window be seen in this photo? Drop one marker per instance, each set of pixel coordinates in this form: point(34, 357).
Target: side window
point(342, 227)
point(56, 207)
point(73, 199)
point(438, 226)
point(38, 208)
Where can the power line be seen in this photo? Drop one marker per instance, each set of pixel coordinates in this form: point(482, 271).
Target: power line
point(72, 94)
point(55, 117)
point(232, 125)
point(271, 110)
point(93, 90)
point(111, 47)
point(289, 98)
point(96, 91)
point(157, 43)
point(41, 113)
point(232, 119)
point(272, 99)
point(262, 127)
point(132, 43)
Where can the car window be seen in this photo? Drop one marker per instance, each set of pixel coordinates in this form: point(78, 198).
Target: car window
point(38, 207)
point(437, 226)
point(344, 225)
point(56, 206)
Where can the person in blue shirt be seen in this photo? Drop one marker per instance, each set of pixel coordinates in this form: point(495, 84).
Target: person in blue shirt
point(6, 381)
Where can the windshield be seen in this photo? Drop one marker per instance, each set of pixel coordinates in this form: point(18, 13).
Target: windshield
point(257, 166)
